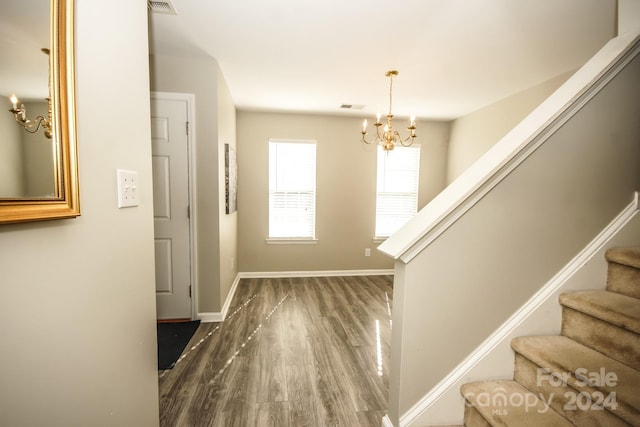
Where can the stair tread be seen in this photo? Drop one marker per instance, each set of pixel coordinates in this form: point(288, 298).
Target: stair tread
point(564, 355)
point(526, 410)
point(625, 255)
point(612, 307)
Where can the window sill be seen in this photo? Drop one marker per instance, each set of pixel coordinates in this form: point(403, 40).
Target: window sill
point(291, 241)
point(378, 240)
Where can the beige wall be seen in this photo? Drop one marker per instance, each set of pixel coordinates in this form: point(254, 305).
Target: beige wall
point(77, 301)
point(214, 125)
point(473, 134)
point(346, 189)
point(628, 15)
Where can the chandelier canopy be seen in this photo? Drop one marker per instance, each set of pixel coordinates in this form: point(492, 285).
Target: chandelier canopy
point(389, 137)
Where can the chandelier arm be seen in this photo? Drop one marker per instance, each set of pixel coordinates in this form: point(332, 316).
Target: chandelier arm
point(29, 124)
point(34, 124)
point(402, 141)
point(378, 136)
point(364, 139)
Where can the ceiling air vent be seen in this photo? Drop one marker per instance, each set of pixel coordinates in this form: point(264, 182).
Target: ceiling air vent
point(352, 107)
point(164, 6)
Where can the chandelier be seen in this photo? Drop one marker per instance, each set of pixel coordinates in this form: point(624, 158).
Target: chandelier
point(389, 137)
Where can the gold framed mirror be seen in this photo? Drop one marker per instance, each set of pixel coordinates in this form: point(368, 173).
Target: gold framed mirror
point(58, 196)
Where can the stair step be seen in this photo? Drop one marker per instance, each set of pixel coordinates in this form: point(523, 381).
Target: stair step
point(629, 256)
point(506, 403)
point(605, 321)
point(541, 361)
point(623, 272)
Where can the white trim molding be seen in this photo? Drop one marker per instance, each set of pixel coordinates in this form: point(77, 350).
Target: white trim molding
point(232, 292)
point(318, 273)
point(274, 241)
point(386, 422)
point(211, 317)
point(216, 317)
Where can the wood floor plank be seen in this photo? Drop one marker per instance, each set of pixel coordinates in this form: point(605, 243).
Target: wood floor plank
point(370, 418)
point(295, 324)
point(375, 374)
point(176, 385)
point(339, 391)
point(240, 394)
point(272, 381)
point(337, 358)
point(292, 352)
point(272, 414)
point(303, 407)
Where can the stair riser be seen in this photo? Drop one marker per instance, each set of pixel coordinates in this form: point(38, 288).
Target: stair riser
point(617, 343)
point(562, 398)
point(473, 418)
point(623, 279)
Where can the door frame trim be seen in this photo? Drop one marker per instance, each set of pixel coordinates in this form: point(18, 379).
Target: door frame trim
point(189, 99)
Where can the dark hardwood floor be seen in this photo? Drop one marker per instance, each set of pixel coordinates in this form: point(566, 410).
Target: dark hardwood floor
point(292, 352)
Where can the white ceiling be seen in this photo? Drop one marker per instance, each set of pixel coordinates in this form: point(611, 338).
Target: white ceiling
point(453, 56)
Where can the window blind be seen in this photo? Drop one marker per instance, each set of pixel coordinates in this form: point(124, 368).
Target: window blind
point(292, 190)
point(397, 188)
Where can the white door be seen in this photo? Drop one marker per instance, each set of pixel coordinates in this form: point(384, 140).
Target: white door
point(169, 134)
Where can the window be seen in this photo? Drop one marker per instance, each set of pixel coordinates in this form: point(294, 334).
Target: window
point(292, 190)
point(397, 188)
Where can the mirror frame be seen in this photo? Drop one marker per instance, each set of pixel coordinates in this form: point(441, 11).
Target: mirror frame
point(63, 116)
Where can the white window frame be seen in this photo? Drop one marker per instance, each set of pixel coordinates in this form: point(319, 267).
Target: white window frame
point(388, 186)
point(274, 236)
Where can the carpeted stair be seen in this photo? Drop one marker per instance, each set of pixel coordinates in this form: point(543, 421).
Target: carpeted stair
point(587, 376)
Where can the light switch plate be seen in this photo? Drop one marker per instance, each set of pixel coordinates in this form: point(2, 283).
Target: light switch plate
point(127, 188)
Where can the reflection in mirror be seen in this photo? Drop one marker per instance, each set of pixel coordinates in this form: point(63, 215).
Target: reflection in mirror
point(38, 164)
point(26, 160)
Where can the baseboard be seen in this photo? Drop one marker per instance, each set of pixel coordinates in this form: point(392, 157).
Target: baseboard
point(227, 301)
point(212, 317)
point(386, 422)
point(319, 273)
point(444, 399)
